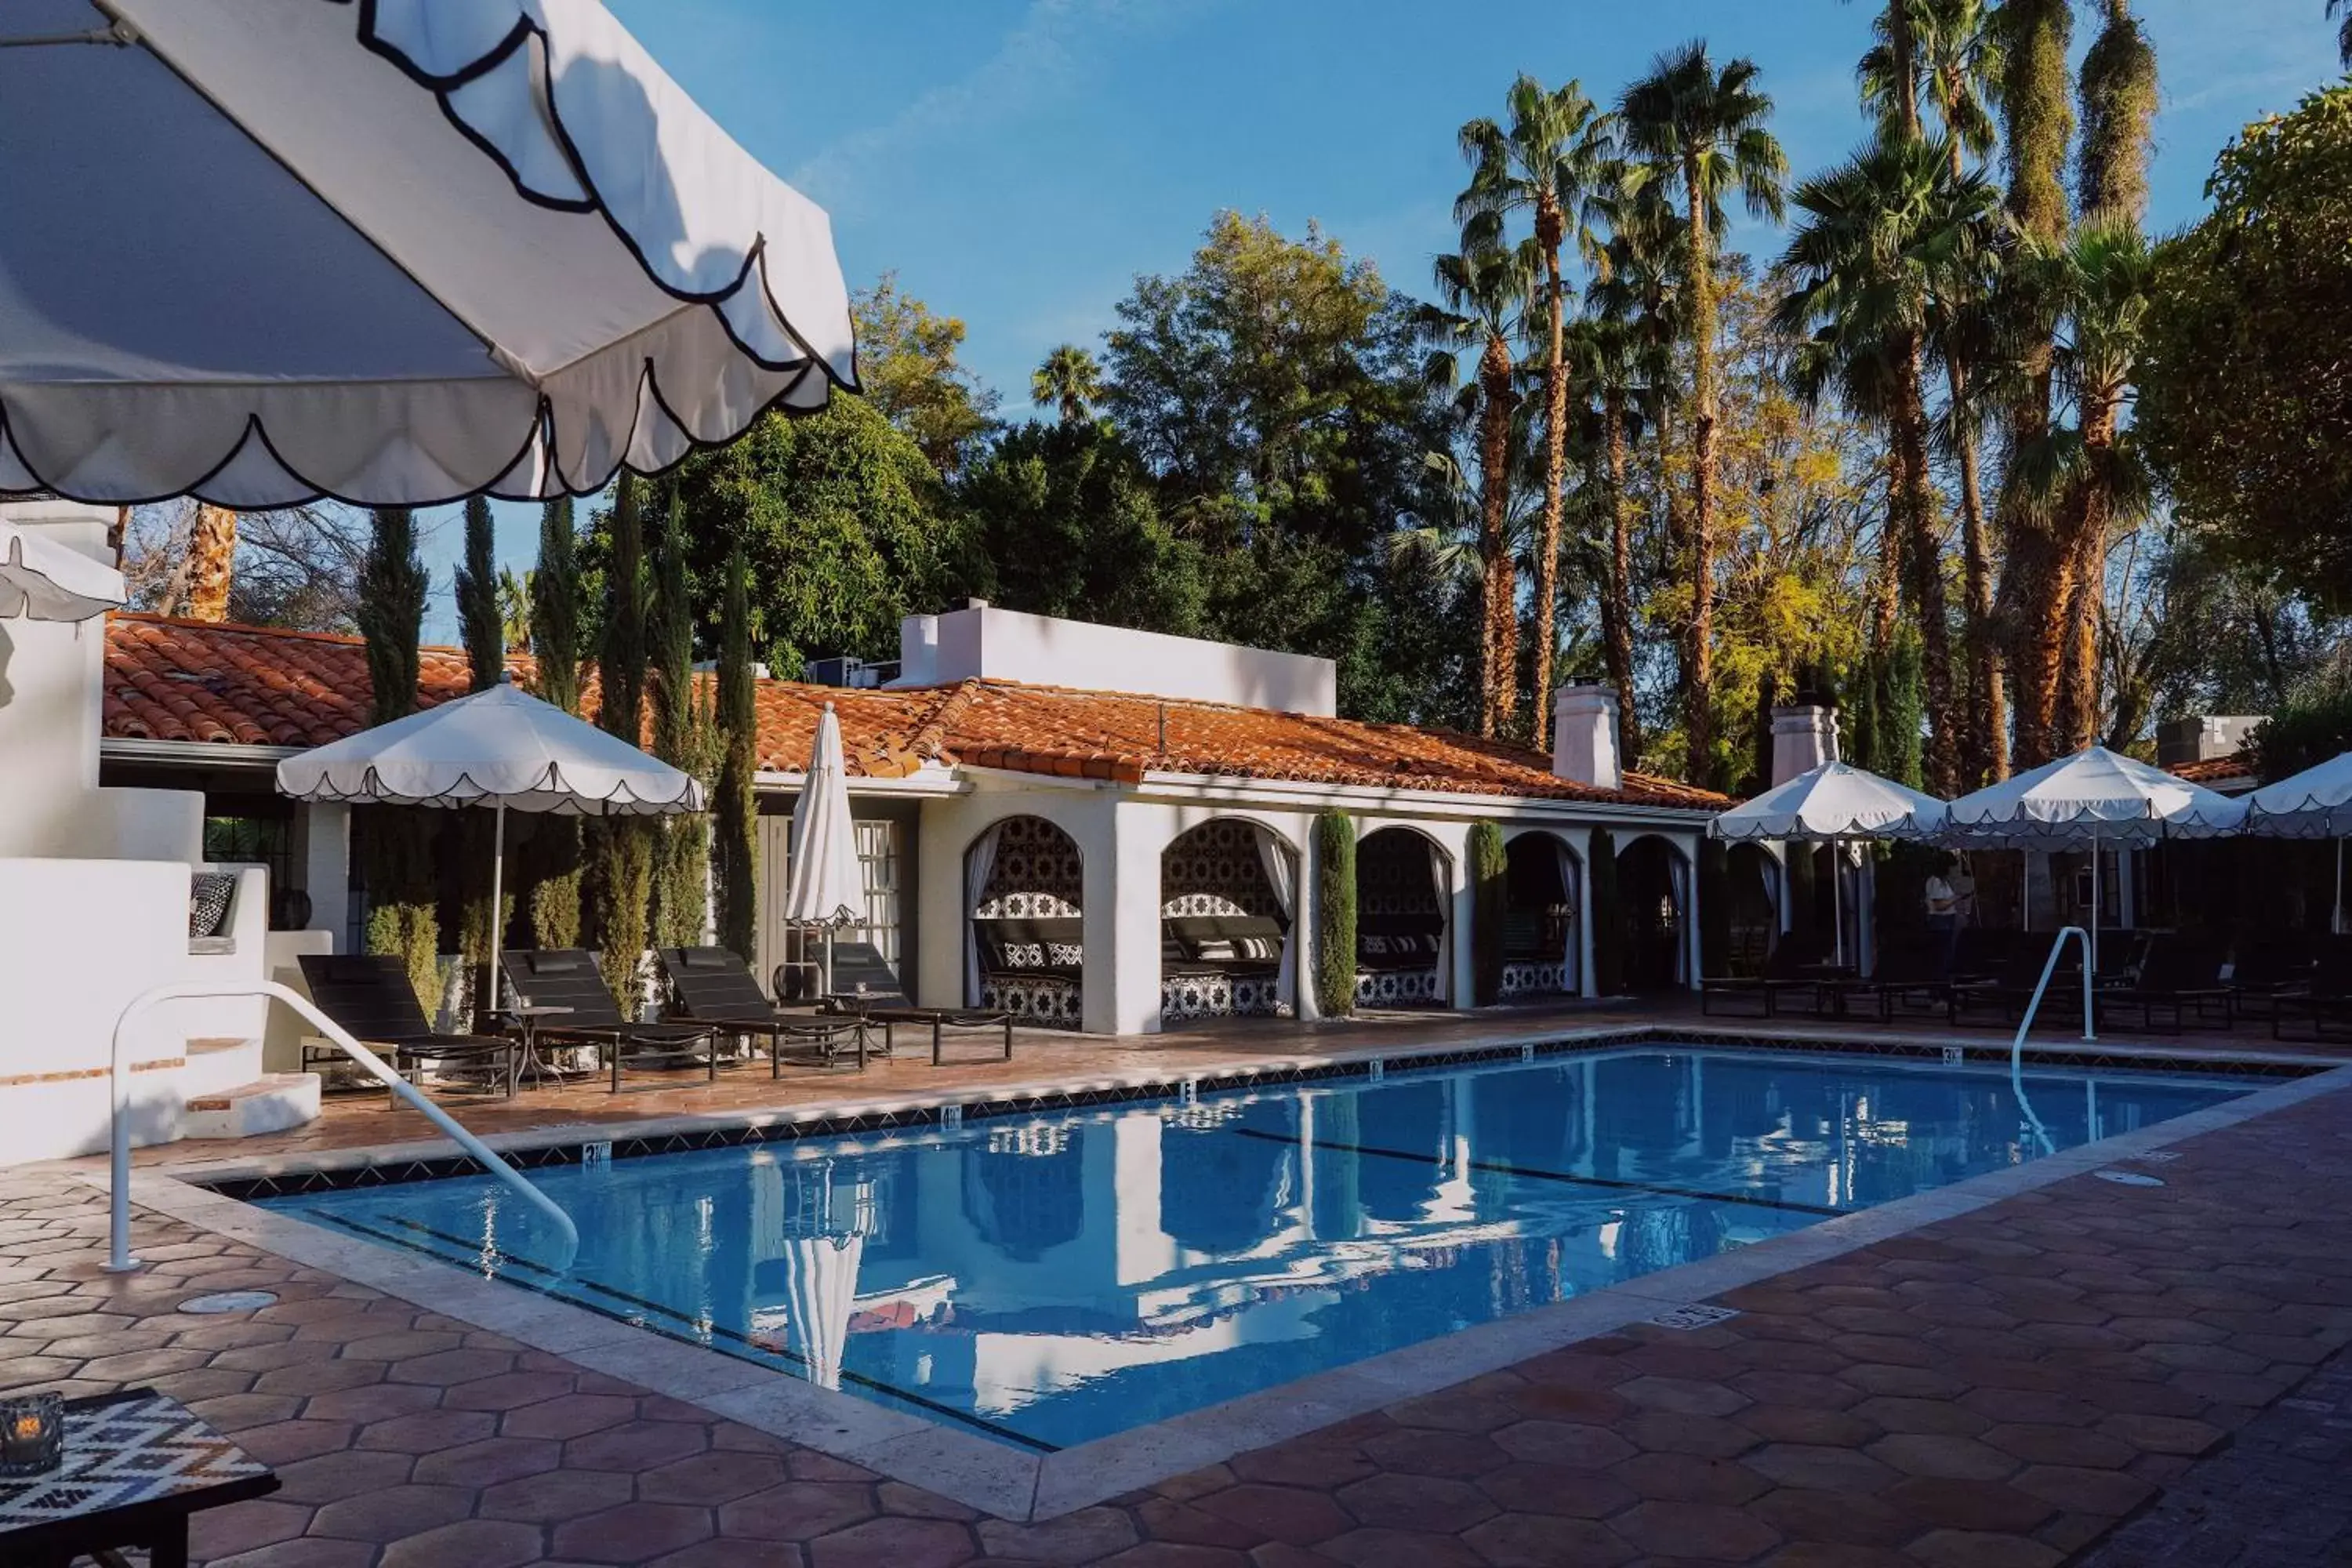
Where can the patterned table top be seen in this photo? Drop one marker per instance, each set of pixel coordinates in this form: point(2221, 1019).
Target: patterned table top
point(145, 1448)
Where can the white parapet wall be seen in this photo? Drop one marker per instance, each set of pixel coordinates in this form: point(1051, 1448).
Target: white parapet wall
point(1042, 650)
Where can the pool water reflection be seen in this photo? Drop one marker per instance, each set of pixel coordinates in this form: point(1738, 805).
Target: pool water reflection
point(1053, 1281)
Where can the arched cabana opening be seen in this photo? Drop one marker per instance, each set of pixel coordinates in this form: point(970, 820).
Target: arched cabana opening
point(1752, 885)
point(1653, 900)
point(1404, 948)
point(1542, 944)
point(1025, 945)
point(1228, 890)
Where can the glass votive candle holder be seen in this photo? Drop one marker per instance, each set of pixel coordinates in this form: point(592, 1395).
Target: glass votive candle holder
point(32, 1433)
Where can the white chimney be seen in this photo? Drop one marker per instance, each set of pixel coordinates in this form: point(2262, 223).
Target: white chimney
point(918, 651)
point(1803, 737)
point(1584, 736)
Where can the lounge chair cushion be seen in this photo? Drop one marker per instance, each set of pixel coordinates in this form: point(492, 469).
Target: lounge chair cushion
point(210, 893)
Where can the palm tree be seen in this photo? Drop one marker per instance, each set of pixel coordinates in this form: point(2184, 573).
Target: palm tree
point(1552, 160)
point(1069, 379)
point(212, 562)
point(1482, 290)
point(1702, 130)
point(2344, 37)
point(1883, 239)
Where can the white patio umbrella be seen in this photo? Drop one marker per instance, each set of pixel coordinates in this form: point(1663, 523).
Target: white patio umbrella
point(42, 579)
point(2096, 797)
point(396, 253)
point(823, 884)
point(502, 748)
point(1833, 804)
point(2314, 803)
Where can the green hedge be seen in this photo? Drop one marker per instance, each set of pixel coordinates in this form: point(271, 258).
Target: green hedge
point(1335, 914)
point(1608, 923)
point(1489, 905)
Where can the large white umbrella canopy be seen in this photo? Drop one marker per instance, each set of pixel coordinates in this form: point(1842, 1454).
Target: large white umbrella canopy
point(42, 579)
point(1833, 804)
point(502, 748)
point(1834, 801)
point(397, 252)
point(2314, 803)
point(824, 885)
point(2095, 798)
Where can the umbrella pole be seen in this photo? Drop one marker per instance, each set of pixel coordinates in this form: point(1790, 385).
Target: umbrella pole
point(1837, 901)
point(497, 902)
point(2336, 925)
point(2095, 880)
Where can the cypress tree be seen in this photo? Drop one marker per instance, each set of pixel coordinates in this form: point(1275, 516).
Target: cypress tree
point(622, 868)
point(482, 626)
point(396, 842)
point(1608, 921)
point(685, 737)
point(1335, 914)
point(736, 810)
point(1489, 906)
point(555, 857)
point(1901, 711)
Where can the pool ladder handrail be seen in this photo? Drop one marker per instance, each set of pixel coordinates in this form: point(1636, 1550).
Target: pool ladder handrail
point(2025, 1025)
point(119, 1259)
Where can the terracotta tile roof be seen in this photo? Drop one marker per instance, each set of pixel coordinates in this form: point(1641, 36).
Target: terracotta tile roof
point(2210, 771)
point(171, 680)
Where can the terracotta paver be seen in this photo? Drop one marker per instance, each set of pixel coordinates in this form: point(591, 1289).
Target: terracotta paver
point(2004, 1387)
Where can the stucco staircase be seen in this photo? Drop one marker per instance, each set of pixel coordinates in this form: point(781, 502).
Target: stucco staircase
point(225, 1093)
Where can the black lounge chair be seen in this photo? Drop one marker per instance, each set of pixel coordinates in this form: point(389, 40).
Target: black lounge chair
point(1784, 970)
point(2266, 968)
point(712, 985)
point(865, 986)
point(371, 996)
point(1913, 970)
point(2012, 990)
point(568, 978)
point(2325, 1000)
point(2176, 974)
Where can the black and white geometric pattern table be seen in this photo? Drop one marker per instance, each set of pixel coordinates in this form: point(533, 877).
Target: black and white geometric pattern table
point(137, 1464)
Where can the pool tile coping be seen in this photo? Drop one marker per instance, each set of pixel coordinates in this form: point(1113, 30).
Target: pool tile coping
point(1014, 1485)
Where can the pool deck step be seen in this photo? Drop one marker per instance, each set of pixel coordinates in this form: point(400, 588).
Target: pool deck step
point(271, 1103)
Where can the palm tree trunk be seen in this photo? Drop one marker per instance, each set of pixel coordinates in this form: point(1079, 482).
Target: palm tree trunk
point(1698, 681)
point(1985, 757)
point(2038, 589)
point(1500, 613)
point(1620, 629)
point(1925, 564)
point(212, 562)
point(1887, 591)
point(1555, 482)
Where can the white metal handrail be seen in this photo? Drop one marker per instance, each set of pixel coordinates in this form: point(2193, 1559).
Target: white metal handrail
point(118, 1254)
point(2025, 1025)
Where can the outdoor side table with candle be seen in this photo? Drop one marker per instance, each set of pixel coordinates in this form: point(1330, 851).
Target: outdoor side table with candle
point(132, 1469)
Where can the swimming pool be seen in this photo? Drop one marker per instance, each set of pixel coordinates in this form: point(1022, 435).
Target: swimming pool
point(1050, 1280)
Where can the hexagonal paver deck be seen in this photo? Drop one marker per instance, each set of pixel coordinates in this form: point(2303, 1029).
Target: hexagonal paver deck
point(2000, 1388)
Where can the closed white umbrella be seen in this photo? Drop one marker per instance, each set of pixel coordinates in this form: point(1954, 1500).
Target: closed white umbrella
point(2314, 803)
point(1833, 804)
point(824, 885)
point(396, 253)
point(2096, 797)
point(502, 748)
point(42, 579)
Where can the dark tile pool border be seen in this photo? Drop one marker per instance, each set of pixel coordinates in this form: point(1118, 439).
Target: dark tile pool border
point(351, 1169)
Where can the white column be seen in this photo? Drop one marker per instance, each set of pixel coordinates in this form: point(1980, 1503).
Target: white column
point(322, 849)
point(1122, 843)
point(1587, 985)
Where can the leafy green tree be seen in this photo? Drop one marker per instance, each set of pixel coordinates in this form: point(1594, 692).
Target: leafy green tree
point(2313, 726)
point(396, 842)
point(514, 609)
point(1701, 130)
point(1490, 870)
point(1070, 381)
point(2344, 35)
point(1335, 914)
point(553, 862)
point(482, 628)
point(1061, 519)
point(2245, 399)
point(621, 873)
point(1550, 161)
point(686, 736)
point(843, 521)
point(908, 368)
point(736, 808)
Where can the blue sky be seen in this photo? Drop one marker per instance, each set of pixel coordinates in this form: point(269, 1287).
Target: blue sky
point(1018, 162)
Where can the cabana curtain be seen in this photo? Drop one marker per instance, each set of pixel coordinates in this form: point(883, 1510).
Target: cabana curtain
point(1571, 978)
point(1678, 879)
point(979, 865)
point(1282, 876)
point(1440, 878)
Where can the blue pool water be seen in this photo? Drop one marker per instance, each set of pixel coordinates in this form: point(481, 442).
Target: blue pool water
point(1051, 1281)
